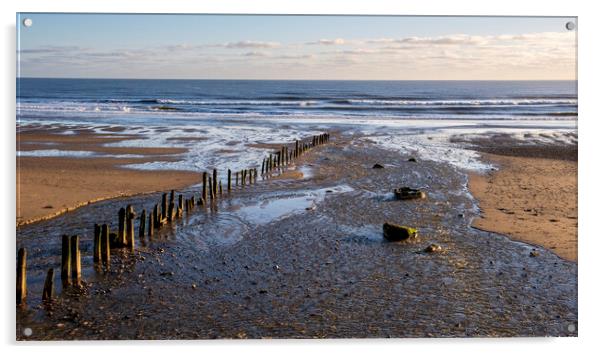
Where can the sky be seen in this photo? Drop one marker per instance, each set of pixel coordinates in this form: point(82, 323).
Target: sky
point(295, 47)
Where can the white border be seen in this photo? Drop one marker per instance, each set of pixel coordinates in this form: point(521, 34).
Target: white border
point(589, 167)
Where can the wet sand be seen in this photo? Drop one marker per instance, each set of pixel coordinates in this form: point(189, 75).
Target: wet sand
point(50, 186)
point(305, 258)
point(532, 197)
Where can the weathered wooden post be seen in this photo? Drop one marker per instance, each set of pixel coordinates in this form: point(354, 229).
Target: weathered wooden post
point(66, 261)
point(243, 175)
point(21, 276)
point(121, 229)
point(48, 292)
point(163, 206)
point(229, 180)
point(76, 265)
point(220, 187)
point(214, 182)
point(105, 244)
point(172, 196)
point(151, 223)
point(236, 174)
point(156, 221)
point(269, 168)
point(129, 226)
point(204, 194)
point(170, 212)
point(263, 166)
point(96, 243)
point(180, 201)
point(142, 226)
point(211, 188)
point(296, 148)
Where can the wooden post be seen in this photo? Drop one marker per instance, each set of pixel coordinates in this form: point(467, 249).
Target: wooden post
point(163, 207)
point(21, 276)
point(243, 175)
point(96, 243)
point(220, 187)
point(229, 180)
point(296, 148)
point(236, 174)
point(269, 168)
point(263, 166)
point(180, 201)
point(156, 221)
point(214, 182)
point(121, 230)
point(211, 189)
point(48, 292)
point(142, 226)
point(66, 261)
point(204, 194)
point(105, 244)
point(170, 212)
point(129, 226)
point(151, 219)
point(76, 265)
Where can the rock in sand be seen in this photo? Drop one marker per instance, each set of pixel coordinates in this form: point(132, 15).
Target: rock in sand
point(394, 232)
point(405, 193)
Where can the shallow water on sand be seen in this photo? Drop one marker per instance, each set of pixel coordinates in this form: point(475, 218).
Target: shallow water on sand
point(288, 258)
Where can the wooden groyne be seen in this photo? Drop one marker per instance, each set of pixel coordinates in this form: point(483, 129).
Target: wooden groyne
point(166, 211)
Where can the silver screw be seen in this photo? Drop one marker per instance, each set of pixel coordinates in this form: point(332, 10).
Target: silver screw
point(570, 25)
point(571, 328)
point(27, 332)
point(28, 22)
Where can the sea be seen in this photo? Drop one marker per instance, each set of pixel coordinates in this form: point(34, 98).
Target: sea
point(411, 116)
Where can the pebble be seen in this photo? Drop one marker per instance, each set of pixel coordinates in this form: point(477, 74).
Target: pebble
point(433, 248)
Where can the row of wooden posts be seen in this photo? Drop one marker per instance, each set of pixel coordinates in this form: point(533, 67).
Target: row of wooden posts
point(162, 214)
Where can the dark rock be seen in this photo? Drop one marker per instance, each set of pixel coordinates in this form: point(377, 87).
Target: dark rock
point(412, 159)
point(377, 165)
point(533, 254)
point(393, 232)
point(433, 248)
point(405, 193)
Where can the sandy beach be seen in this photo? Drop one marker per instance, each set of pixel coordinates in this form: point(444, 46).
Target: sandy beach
point(49, 186)
point(304, 257)
point(532, 197)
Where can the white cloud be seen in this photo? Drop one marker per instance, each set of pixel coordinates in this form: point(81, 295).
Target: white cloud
point(336, 41)
point(249, 44)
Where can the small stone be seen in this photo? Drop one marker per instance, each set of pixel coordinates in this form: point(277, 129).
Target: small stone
point(276, 267)
point(377, 165)
point(433, 248)
point(461, 216)
point(193, 286)
point(412, 159)
point(533, 253)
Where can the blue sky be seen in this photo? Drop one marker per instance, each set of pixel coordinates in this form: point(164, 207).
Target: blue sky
point(295, 47)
